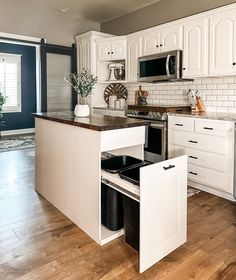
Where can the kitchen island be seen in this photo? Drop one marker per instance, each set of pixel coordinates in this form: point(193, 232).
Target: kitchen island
point(69, 175)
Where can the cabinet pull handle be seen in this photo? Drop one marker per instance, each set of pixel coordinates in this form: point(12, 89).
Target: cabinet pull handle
point(108, 52)
point(191, 141)
point(193, 157)
point(161, 45)
point(184, 68)
point(168, 167)
point(234, 63)
point(112, 52)
point(157, 46)
point(179, 124)
point(193, 173)
point(208, 128)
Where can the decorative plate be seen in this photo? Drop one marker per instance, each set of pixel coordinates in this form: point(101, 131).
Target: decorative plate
point(115, 89)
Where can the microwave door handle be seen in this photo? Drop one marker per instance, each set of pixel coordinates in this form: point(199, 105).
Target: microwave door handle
point(167, 65)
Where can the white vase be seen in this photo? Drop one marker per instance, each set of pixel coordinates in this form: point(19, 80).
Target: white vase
point(82, 110)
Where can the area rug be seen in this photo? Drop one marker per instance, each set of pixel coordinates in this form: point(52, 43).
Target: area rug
point(192, 192)
point(13, 143)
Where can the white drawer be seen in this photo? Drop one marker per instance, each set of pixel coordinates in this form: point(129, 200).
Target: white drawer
point(209, 177)
point(203, 159)
point(181, 123)
point(208, 143)
point(212, 127)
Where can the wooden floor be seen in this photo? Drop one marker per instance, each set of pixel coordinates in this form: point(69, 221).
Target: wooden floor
point(39, 242)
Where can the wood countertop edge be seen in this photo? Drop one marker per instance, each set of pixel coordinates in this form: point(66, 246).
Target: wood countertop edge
point(93, 126)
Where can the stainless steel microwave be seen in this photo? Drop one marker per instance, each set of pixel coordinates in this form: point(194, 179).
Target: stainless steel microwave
point(166, 66)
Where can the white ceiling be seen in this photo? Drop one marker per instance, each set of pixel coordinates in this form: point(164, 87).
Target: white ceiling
point(94, 10)
point(43, 18)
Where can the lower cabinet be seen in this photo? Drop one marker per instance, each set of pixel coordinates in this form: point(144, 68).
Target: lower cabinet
point(162, 201)
point(209, 146)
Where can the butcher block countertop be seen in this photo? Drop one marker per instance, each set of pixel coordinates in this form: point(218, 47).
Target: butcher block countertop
point(93, 122)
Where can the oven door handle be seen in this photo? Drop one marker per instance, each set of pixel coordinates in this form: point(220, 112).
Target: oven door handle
point(146, 137)
point(167, 65)
point(155, 125)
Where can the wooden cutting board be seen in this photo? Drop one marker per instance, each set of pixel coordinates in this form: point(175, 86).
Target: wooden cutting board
point(140, 94)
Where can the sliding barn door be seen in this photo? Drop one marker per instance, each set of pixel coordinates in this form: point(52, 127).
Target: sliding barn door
point(56, 62)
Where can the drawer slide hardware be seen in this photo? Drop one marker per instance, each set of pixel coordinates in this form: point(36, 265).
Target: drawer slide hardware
point(168, 167)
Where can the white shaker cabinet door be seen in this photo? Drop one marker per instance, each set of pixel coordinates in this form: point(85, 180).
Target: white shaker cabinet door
point(223, 43)
point(171, 38)
point(151, 43)
point(133, 53)
point(195, 54)
point(118, 50)
point(104, 50)
point(163, 209)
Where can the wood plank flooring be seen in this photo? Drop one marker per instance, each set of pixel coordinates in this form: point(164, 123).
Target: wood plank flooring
point(39, 242)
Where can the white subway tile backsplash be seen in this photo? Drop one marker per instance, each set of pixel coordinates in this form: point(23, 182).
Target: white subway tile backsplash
point(219, 93)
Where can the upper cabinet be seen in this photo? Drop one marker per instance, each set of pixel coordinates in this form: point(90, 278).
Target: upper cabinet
point(86, 50)
point(133, 53)
point(162, 40)
point(195, 50)
point(84, 54)
point(223, 43)
point(111, 49)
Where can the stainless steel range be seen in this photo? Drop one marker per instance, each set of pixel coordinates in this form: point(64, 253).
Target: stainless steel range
point(155, 148)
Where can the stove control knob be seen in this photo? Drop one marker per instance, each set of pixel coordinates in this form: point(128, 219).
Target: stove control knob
point(154, 114)
point(150, 114)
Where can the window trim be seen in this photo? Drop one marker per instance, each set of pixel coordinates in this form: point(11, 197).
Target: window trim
point(14, 109)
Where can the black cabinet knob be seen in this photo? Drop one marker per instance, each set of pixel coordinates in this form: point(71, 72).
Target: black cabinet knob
point(108, 52)
point(184, 68)
point(161, 45)
point(157, 46)
point(112, 52)
point(234, 63)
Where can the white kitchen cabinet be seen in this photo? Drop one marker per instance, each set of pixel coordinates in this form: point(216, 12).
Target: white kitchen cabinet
point(209, 145)
point(133, 53)
point(111, 49)
point(223, 43)
point(161, 40)
point(195, 50)
point(162, 198)
point(86, 50)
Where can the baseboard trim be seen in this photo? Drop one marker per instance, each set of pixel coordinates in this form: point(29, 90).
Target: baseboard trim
point(17, 131)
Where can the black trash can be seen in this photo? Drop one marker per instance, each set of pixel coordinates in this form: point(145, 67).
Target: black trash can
point(112, 208)
point(131, 222)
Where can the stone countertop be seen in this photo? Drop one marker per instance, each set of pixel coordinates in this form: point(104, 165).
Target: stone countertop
point(93, 122)
point(208, 115)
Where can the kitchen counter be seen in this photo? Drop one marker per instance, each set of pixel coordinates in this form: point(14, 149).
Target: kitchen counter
point(208, 115)
point(93, 122)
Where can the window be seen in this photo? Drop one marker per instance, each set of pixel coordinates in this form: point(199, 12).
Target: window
point(10, 81)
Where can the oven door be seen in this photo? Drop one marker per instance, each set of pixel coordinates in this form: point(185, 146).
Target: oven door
point(155, 142)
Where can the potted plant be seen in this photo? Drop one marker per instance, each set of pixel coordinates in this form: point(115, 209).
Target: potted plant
point(3, 100)
point(83, 84)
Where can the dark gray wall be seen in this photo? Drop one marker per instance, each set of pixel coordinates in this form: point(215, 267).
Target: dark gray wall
point(158, 13)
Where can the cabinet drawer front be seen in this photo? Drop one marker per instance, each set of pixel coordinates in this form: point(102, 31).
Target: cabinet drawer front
point(217, 128)
point(209, 177)
point(202, 159)
point(208, 143)
point(180, 123)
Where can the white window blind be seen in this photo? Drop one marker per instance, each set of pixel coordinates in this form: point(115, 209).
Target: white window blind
point(10, 81)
